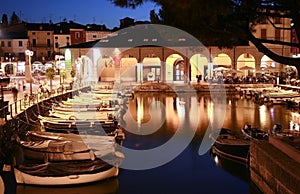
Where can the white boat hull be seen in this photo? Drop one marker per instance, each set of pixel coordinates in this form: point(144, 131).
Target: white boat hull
point(23, 178)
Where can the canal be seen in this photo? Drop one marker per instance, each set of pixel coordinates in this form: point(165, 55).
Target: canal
point(167, 145)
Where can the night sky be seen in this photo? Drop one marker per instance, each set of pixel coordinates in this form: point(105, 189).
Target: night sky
point(83, 12)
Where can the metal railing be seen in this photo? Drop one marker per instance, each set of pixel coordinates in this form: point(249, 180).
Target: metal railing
point(12, 109)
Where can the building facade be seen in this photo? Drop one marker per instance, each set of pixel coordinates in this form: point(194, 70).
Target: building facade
point(143, 56)
point(13, 46)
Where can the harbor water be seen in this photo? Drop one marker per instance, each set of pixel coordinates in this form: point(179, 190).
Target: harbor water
point(153, 120)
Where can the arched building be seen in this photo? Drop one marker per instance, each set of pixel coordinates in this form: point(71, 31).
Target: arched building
point(161, 53)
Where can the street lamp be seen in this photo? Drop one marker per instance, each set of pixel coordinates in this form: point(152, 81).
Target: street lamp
point(28, 75)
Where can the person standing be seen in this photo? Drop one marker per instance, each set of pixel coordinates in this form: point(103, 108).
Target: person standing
point(15, 91)
point(24, 85)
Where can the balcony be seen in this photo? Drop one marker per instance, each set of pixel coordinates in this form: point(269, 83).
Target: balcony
point(42, 46)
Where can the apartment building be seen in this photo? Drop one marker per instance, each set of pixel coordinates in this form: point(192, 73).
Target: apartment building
point(40, 38)
point(95, 32)
point(13, 45)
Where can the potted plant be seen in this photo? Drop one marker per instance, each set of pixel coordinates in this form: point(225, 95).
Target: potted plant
point(50, 74)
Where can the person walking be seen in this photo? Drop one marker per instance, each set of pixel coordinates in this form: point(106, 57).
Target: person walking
point(15, 91)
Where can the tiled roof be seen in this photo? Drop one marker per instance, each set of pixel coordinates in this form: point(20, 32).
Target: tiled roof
point(13, 35)
point(144, 35)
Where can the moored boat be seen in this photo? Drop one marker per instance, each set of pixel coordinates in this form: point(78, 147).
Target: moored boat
point(277, 130)
point(45, 146)
point(253, 133)
point(64, 173)
point(62, 159)
point(90, 115)
point(232, 146)
point(102, 127)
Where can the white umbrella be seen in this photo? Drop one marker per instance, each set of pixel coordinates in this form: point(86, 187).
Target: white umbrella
point(246, 68)
point(221, 69)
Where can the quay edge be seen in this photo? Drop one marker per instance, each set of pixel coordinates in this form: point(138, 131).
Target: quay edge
point(187, 88)
point(272, 169)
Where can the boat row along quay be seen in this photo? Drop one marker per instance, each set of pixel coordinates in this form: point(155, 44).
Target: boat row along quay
point(37, 148)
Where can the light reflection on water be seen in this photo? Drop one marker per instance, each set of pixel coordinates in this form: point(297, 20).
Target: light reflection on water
point(189, 172)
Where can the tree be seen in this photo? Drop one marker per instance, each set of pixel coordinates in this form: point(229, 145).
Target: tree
point(4, 20)
point(63, 75)
point(73, 73)
point(50, 74)
point(14, 19)
point(228, 23)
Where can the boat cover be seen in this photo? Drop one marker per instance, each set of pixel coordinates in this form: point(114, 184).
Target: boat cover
point(64, 168)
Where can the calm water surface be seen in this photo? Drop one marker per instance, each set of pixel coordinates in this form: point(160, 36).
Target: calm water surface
point(189, 172)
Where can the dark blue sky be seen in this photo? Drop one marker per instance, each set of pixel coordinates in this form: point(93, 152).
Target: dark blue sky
point(84, 12)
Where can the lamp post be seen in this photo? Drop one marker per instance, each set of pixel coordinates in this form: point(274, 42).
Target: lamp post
point(28, 75)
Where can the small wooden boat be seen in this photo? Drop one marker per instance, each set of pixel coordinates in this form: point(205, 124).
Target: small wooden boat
point(252, 133)
point(44, 146)
point(92, 115)
point(279, 131)
point(64, 173)
point(230, 145)
point(65, 159)
point(110, 185)
point(237, 169)
point(83, 109)
point(110, 128)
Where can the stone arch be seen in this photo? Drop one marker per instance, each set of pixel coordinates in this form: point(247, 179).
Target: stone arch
point(128, 68)
point(105, 69)
point(198, 65)
point(222, 60)
point(246, 60)
point(175, 68)
point(151, 68)
point(267, 62)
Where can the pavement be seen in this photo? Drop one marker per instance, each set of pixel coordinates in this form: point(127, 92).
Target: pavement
point(8, 95)
point(17, 108)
